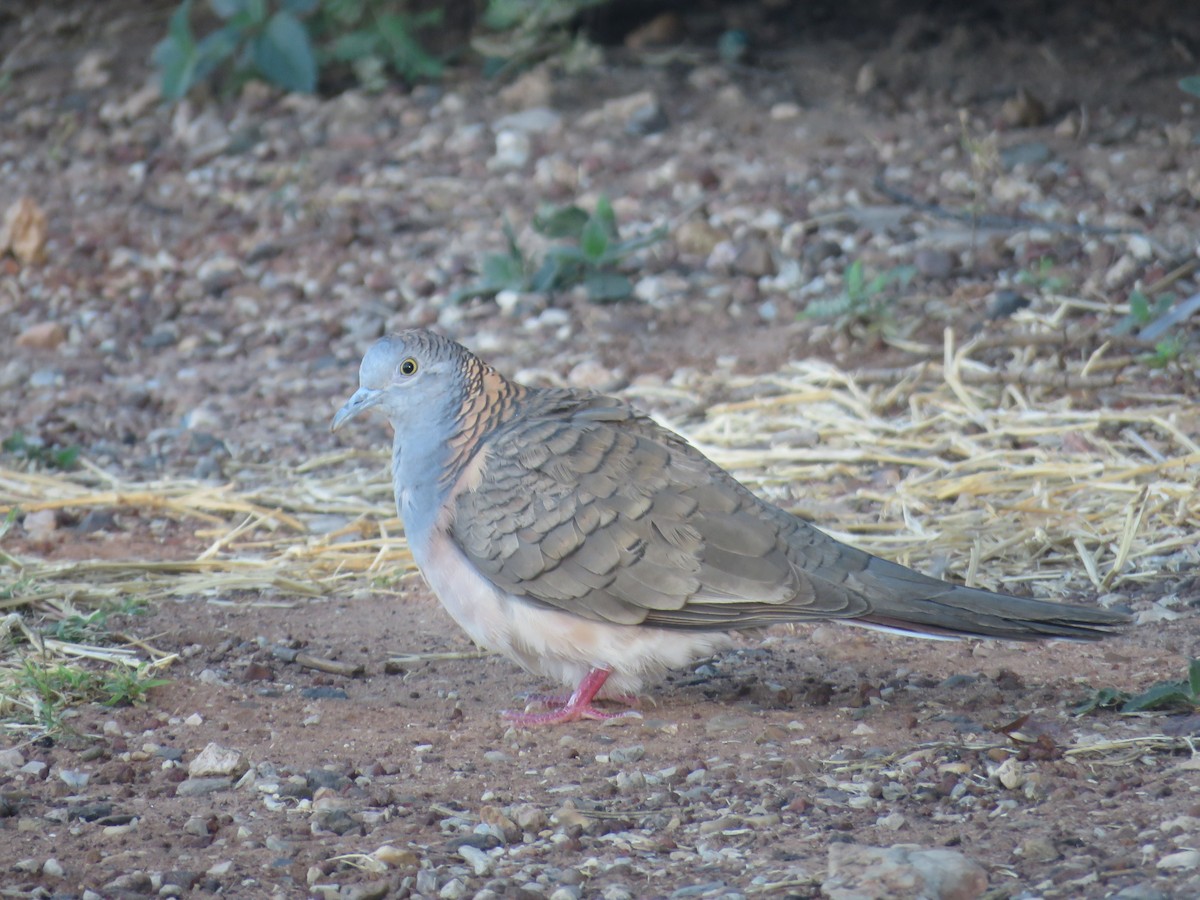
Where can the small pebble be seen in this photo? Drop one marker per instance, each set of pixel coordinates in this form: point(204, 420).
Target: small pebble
point(42, 336)
point(513, 149)
point(40, 524)
point(197, 826)
point(627, 754)
point(476, 859)
point(934, 263)
point(46, 378)
point(74, 779)
point(395, 858)
point(11, 759)
point(196, 787)
point(1184, 859)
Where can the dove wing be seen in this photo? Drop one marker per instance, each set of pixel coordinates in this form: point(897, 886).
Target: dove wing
point(589, 507)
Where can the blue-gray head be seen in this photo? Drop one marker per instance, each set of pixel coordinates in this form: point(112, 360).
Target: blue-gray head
point(415, 378)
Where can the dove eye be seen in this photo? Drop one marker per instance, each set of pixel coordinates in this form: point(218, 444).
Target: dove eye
point(408, 367)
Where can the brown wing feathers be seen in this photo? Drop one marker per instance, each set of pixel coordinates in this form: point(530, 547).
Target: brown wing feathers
point(584, 505)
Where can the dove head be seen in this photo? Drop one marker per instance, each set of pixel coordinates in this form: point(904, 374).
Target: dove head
point(415, 378)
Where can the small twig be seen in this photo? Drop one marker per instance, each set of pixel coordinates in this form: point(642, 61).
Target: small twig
point(404, 661)
point(308, 661)
point(1149, 742)
point(1173, 276)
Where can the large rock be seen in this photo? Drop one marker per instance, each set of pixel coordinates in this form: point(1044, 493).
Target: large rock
point(215, 760)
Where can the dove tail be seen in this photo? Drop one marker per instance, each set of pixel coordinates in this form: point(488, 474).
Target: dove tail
point(926, 607)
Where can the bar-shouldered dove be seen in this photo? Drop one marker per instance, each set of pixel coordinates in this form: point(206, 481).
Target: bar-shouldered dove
point(591, 545)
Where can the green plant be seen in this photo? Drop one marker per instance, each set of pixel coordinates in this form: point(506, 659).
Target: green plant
point(254, 39)
point(1143, 313)
point(590, 255)
point(125, 686)
point(1165, 352)
point(1191, 84)
point(371, 36)
point(46, 691)
point(9, 520)
point(93, 626)
point(862, 299)
point(53, 689)
point(1166, 696)
point(34, 450)
point(289, 42)
point(1043, 277)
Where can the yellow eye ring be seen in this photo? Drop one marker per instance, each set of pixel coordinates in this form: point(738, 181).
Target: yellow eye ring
point(408, 367)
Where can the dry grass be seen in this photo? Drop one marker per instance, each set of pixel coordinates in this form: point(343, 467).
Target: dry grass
point(997, 475)
point(1008, 481)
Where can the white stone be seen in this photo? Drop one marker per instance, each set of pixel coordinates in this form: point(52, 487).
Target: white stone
point(215, 760)
point(1184, 859)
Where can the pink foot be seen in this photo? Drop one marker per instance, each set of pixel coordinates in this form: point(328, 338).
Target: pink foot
point(577, 706)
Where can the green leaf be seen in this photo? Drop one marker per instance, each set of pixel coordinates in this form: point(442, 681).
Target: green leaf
point(176, 67)
point(854, 279)
point(180, 26)
point(355, 45)
point(301, 7)
point(227, 9)
point(175, 55)
point(1139, 307)
point(605, 216)
point(1105, 698)
point(501, 271)
point(284, 54)
point(878, 284)
point(1194, 678)
point(594, 239)
point(551, 275)
point(407, 55)
point(1191, 84)
point(560, 222)
point(607, 287)
point(568, 255)
point(501, 15)
point(66, 458)
point(213, 50)
point(1167, 695)
point(255, 10)
point(638, 242)
point(903, 276)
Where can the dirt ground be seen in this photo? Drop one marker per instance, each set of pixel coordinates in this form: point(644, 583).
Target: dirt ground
point(214, 271)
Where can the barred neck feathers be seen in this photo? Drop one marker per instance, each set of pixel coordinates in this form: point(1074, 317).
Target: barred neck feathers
point(487, 400)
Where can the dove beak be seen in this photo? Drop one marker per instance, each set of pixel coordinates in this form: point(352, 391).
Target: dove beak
point(362, 399)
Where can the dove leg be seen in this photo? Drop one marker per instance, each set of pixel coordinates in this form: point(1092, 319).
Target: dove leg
point(578, 705)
